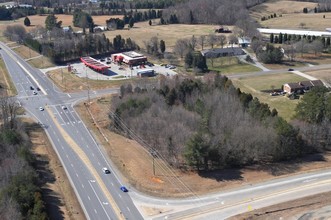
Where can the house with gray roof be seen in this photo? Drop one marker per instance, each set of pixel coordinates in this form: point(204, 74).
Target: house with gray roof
point(222, 52)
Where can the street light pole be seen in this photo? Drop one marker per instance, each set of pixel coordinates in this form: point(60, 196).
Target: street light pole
point(88, 87)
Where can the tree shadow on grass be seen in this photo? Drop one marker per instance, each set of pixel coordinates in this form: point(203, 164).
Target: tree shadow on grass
point(283, 168)
point(51, 198)
point(222, 175)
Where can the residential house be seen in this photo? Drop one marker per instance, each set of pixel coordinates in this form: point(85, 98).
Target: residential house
point(300, 87)
point(222, 52)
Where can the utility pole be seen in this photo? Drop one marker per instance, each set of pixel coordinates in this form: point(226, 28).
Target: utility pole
point(153, 166)
point(88, 88)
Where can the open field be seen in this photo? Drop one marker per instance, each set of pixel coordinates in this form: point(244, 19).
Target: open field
point(321, 74)
point(312, 21)
point(282, 104)
point(39, 20)
point(169, 33)
point(280, 8)
point(228, 65)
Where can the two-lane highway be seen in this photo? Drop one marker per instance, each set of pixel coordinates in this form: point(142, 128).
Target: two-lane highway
point(99, 194)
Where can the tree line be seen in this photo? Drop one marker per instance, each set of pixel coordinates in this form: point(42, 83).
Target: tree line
point(20, 192)
point(63, 46)
point(206, 124)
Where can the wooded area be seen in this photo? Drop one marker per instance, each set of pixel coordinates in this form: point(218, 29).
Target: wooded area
point(209, 125)
point(20, 193)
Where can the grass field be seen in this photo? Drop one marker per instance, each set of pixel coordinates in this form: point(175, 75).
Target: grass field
point(282, 104)
point(280, 8)
point(228, 65)
point(321, 74)
point(312, 21)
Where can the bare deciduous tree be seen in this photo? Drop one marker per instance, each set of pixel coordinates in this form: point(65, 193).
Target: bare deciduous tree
point(202, 40)
point(212, 40)
point(222, 40)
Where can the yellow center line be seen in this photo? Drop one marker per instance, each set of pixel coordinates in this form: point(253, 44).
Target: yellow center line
point(270, 195)
point(80, 153)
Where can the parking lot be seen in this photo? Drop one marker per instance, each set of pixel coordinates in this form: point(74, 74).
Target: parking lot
point(118, 72)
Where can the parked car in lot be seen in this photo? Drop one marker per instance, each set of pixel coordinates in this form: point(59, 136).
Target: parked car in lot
point(105, 170)
point(290, 69)
point(34, 93)
point(124, 189)
point(41, 109)
point(31, 87)
point(38, 89)
point(172, 67)
point(64, 107)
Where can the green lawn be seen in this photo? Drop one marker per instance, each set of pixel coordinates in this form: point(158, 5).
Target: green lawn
point(282, 104)
point(228, 65)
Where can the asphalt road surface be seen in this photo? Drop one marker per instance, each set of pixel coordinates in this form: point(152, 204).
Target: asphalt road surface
point(82, 158)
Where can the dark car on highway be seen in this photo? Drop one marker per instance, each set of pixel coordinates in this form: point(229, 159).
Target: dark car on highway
point(124, 189)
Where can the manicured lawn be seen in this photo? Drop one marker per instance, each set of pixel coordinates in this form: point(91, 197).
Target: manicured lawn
point(282, 104)
point(228, 65)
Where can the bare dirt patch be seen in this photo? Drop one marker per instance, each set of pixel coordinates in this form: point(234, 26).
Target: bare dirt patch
point(135, 163)
point(61, 201)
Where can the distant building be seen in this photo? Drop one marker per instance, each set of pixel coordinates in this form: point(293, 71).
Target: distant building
point(131, 58)
point(244, 41)
point(146, 73)
point(100, 28)
point(300, 87)
point(223, 52)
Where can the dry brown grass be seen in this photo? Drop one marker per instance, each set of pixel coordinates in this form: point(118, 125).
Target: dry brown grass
point(280, 8)
point(169, 33)
point(312, 21)
point(321, 74)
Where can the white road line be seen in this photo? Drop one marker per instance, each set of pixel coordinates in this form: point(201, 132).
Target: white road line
point(309, 180)
point(99, 200)
point(128, 209)
point(72, 165)
point(83, 186)
point(92, 154)
point(95, 210)
point(120, 195)
point(99, 163)
point(76, 174)
point(67, 156)
point(112, 183)
point(69, 95)
point(88, 198)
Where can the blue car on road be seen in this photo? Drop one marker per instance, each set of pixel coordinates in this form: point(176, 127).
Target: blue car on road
point(124, 189)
